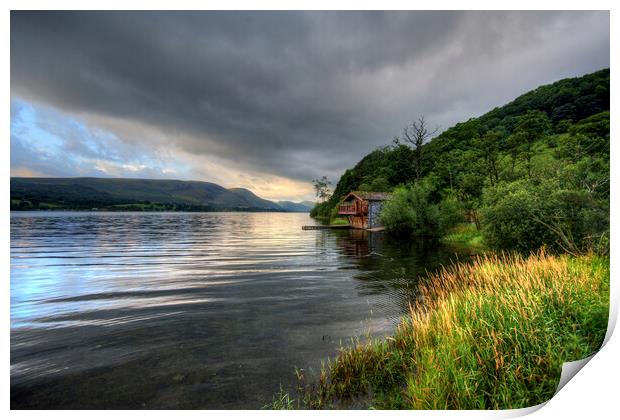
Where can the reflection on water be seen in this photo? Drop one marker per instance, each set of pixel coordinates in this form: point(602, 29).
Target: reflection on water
point(192, 310)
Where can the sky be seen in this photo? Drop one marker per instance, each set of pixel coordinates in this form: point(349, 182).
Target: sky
point(267, 100)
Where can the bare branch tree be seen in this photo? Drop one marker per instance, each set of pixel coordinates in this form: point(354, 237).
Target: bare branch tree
point(416, 134)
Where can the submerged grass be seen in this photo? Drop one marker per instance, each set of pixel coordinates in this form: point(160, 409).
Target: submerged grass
point(488, 335)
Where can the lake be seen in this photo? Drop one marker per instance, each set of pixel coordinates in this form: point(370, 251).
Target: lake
point(193, 310)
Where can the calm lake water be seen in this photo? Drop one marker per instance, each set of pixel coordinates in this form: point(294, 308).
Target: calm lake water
point(192, 310)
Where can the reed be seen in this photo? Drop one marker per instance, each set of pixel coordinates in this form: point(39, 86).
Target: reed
point(492, 334)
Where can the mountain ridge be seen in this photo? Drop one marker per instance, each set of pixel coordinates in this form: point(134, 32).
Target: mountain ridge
point(86, 193)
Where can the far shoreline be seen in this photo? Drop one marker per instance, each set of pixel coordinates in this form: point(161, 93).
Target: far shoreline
point(149, 211)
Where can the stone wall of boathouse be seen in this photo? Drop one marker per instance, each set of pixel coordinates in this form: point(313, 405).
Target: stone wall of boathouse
point(374, 210)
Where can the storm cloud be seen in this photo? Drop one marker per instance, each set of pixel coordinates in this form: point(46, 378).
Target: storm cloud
point(290, 95)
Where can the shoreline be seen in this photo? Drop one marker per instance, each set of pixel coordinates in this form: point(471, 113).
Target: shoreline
point(490, 335)
point(150, 211)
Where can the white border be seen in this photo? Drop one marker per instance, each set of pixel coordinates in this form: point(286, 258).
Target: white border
point(592, 393)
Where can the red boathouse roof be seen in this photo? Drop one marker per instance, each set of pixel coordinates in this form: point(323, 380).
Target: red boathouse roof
point(368, 195)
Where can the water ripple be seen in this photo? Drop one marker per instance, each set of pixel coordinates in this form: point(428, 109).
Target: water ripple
point(191, 310)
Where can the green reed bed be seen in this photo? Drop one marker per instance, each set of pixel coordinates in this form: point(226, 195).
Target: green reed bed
point(487, 335)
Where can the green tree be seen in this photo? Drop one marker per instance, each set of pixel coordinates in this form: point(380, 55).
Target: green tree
point(322, 188)
point(525, 215)
point(531, 127)
point(364, 187)
point(489, 146)
point(415, 211)
point(380, 184)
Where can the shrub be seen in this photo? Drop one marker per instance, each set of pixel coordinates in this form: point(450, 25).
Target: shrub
point(524, 216)
point(414, 211)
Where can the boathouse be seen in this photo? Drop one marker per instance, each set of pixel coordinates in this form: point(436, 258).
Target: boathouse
point(362, 208)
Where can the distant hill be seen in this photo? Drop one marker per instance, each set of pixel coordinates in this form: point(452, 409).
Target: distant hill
point(252, 200)
point(304, 206)
point(133, 194)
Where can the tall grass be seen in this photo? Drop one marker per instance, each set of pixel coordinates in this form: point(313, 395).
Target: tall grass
point(487, 335)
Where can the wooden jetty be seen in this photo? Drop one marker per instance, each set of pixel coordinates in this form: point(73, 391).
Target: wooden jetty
point(319, 227)
point(376, 229)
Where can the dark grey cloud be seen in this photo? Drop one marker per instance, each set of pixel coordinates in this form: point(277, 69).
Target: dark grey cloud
point(294, 94)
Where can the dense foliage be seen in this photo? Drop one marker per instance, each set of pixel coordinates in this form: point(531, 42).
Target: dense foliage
point(416, 210)
point(570, 220)
point(533, 172)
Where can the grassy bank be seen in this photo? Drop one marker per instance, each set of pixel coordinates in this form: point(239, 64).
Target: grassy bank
point(493, 334)
point(465, 234)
